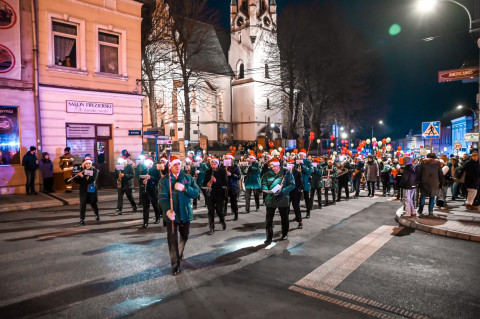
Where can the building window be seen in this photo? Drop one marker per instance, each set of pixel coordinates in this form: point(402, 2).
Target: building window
point(241, 72)
point(65, 39)
point(109, 52)
point(267, 73)
point(268, 104)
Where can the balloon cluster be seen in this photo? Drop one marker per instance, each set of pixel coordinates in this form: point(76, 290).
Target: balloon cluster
point(312, 136)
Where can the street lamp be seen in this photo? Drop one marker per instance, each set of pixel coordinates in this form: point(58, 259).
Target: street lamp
point(379, 123)
point(474, 111)
point(344, 135)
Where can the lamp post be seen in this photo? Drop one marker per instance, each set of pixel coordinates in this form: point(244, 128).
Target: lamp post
point(379, 123)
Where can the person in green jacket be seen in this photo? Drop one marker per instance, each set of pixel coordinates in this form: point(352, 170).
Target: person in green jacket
point(177, 220)
point(329, 180)
point(200, 173)
point(277, 183)
point(317, 183)
point(252, 183)
point(307, 170)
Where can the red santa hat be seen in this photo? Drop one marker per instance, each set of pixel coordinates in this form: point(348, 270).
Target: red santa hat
point(330, 160)
point(148, 158)
point(303, 152)
point(316, 160)
point(88, 159)
point(252, 155)
point(174, 160)
point(229, 156)
point(214, 159)
point(274, 161)
point(164, 160)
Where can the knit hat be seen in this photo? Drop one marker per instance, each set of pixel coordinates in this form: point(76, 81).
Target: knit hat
point(330, 160)
point(274, 161)
point(174, 160)
point(66, 149)
point(316, 160)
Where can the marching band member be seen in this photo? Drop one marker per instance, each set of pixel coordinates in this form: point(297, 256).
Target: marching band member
point(88, 189)
point(317, 183)
point(149, 178)
point(66, 165)
point(233, 177)
point(329, 176)
point(307, 170)
point(296, 193)
point(125, 185)
point(252, 183)
point(277, 183)
point(216, 181)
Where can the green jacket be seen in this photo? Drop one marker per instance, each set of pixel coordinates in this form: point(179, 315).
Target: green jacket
point(317, 177)
point(307, 170)
point(252, 179)
point(270, 180)
point(332, 170)
point(182, 204)
point(202, 169)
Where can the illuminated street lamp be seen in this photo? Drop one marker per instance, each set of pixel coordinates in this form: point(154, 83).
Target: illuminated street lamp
point(379, 123)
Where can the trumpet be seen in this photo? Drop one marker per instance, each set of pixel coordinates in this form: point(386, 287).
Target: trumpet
point(70, 179)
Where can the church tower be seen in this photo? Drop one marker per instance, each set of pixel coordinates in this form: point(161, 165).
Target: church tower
point(254, 58)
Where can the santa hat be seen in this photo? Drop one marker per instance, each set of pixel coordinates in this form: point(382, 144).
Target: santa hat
point(291, 161)
point(163, 160)
point(214, 159)
point(188, 160)
point(229, 156)
point(88, 160)
point(269, 157)
point(148, 158)
point(330, 160)
point(252, 155)
point(316, 160)
point(303, 152)
point(274, 161)
point(174, 160)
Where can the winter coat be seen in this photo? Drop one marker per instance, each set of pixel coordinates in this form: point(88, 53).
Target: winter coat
point(182, 201)
point(342, 175)
point(359, 169)
point(307, 170)
point(472, 172)
point(332, 172)
point(317, 177)
point(202, 169)
point(218, 188)
point(85, 182)
point(430, 177)
point(127, 179)
point(371, 171)
point(232, 180)
point(408, 177)
point(270, 180)
point(46, 167)
point(252, 179)
point(29, 162)
point(152, 183)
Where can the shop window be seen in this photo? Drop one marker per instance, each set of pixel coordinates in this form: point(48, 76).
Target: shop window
point(65, 39)
point(109, 52)
point(267, 73)
point(241, 72)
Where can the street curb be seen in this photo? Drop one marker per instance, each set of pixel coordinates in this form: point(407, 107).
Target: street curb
point(433, 230)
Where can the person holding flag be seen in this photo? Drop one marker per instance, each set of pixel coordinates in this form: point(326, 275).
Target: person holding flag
point(176, 193)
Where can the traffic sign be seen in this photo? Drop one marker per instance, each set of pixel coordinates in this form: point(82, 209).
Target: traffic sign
point(457, 146)
point(431, 129)
point(135, 132)
point(164, 142)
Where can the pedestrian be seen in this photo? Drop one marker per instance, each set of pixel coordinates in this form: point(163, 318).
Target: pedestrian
point(442, 193)
point(430, 180)
point(46, 167)
point(138, 170)
point(30, 165)
point(472, 172)
point(457, 180)
point(66, 165)
point(252, 183)
point(149, 178)
point(398, 178)
point(124, 175)
point(357, 175)
point(307, 170)
point(342, 179)
point(296, 193)
point(371, 175)
point(177, 218)
point(233, 178)
point(329, 180)
point(317, 183)
point(216, 181)
point(408, 183)
point(277, 183)
point(88, 189)
point(385, 176)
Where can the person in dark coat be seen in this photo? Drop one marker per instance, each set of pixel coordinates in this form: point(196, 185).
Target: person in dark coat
point(252, 183)
point(124, 177)
point(342, 178)
point(296, 193)
point(30, 164)
point(233, 176)
point(430, 180)
point(46, 167)
point(216, 179)
point(88, 189)
point(357, 175)
point(472, 172)
point(148, 178)
point(372, 171)
point(407, 183)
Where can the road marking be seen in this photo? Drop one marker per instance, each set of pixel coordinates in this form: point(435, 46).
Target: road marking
point(333, 272)
point(133, 221)
point(63, 234)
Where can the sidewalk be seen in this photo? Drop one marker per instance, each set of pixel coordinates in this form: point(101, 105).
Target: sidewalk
point(454, 221)
point(15, 203)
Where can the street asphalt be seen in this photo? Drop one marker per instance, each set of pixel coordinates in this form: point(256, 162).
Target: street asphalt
point(114, 269)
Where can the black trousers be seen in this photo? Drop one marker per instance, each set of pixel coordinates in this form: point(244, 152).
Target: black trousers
point(332, 191)
point(150, 196)
point(386, 185)
point(176, 246)
point(92, 199)
point(306, 198)
point(127, 192)
point(215, 205)
point(269, 221)
point(319, 196)
point(343, 185)
point(233, 197)
point(48, 185)
point(399, 193)
point(30, 186)
point(371, 188)
point(256, 194)
point(295, 197)
point(141, 190)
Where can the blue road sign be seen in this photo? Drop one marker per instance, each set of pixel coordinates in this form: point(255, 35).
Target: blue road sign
point(431, 129)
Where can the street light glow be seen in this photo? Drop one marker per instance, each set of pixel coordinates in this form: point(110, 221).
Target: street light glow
point(352, 131)
point(380, 122)
point(344, 135)
point(342, 128)
point(272, 125)
point(460, 107)
point(426, 5)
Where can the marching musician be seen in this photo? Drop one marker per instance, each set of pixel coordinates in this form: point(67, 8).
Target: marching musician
point(252, 183)
point(177, 220)
point(233, 177)
point(329, 180)
point(216, 181)
point(149, 178)
point(296, 193)
point(66, 165)
point(88, 189)
point(277, 183)
point(317, 182)
point(200, 172)
point(124, 175)
point(307, 170)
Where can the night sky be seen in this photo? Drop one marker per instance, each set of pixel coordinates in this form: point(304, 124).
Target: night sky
point(411, 64)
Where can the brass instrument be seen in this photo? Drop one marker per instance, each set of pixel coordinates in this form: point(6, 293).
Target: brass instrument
point(119, 180)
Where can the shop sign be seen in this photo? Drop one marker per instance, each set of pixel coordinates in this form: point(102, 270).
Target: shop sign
point(457, 74)
point(471, 137)
point(80, 131)
point(89, 107)
point(135, 132)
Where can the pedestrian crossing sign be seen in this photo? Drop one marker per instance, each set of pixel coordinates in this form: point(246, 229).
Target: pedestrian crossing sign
point(431, 129)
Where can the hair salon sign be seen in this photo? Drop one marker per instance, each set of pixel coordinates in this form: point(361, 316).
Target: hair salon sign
point(89, 107)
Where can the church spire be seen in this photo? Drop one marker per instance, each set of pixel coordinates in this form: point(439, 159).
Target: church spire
point(273, 2)
point(234, 3)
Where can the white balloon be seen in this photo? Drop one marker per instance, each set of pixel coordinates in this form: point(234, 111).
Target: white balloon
point(389, 139)
point(374, 139)
point(379, 143)
point(260, 147)
point(368, 141)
